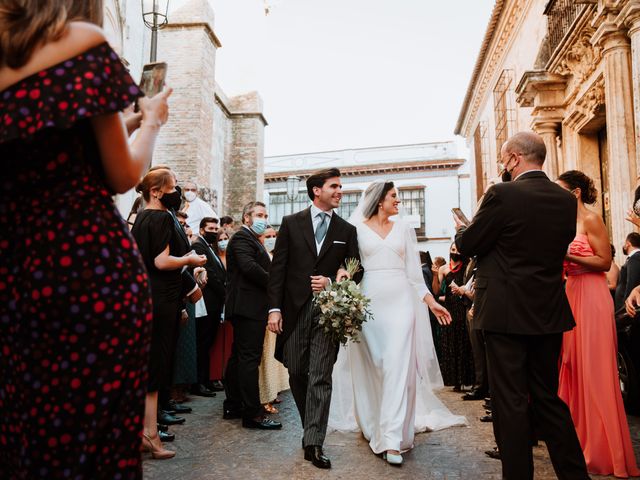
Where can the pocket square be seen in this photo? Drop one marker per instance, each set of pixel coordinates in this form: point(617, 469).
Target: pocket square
point(340, 242)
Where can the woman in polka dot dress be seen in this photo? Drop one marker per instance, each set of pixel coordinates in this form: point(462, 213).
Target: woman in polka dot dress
point(74, 297)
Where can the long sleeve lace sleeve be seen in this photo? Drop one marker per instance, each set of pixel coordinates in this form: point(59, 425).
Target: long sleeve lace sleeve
point(412, 262)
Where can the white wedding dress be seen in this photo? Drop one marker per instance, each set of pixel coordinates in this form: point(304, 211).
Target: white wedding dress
point(383, 385)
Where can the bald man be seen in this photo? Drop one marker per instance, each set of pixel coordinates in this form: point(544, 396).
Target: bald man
point(520, 236)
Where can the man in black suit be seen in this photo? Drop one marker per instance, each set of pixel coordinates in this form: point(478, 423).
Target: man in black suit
point(630, 271)
point(311, 247)
point(520, 236)
point(247, 309)
point(214, 297)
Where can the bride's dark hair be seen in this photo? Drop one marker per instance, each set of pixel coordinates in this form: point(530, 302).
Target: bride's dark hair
point(373, 207)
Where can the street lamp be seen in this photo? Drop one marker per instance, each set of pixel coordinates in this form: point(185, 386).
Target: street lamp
point(293, 183)
point(154, 14)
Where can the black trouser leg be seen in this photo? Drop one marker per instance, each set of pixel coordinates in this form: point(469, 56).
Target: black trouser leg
point(552, 415)
point(233, 400)
point(296, 359)
point(164, 395)
point(507, 362)
point(248, 342)
point(479, 357)
point(206, 328)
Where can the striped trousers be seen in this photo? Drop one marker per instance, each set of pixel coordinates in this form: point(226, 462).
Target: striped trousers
point(309, 355)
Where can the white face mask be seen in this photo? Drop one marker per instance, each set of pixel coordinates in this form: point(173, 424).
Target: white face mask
point(270, 243)
point(190, 196)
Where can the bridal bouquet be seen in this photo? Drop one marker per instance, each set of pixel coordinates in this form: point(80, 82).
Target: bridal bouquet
point(343, 308)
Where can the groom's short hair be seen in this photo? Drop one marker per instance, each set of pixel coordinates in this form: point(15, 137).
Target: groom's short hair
point(318, 178)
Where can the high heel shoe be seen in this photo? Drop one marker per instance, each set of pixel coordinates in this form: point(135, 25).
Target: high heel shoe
point(158, 452)
point(392, 458)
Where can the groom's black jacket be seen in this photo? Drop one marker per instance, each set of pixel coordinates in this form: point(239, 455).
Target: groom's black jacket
point(295, 261)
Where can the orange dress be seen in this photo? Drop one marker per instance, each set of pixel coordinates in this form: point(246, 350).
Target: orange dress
point(589, 373)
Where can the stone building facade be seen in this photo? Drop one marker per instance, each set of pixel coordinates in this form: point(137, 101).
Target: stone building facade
point(569, 70)
point(432, 178)
point(211, 139)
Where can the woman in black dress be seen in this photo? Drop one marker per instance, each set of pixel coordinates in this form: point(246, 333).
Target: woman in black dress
point(456, 357)
point(165, 253)
point(74, 297)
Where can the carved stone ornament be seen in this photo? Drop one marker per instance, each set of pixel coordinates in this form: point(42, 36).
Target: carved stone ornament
point(593, 99)
point(581, 59)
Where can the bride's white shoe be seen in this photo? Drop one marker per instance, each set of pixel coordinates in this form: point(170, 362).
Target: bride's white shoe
point(392, 458)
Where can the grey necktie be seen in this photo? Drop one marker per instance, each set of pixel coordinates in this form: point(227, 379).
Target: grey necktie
point(321, 231)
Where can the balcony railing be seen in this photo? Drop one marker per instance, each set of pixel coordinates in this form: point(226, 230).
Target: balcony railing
point(560, 16)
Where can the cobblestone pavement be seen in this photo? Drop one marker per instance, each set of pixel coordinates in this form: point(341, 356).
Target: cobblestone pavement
point(209, 447)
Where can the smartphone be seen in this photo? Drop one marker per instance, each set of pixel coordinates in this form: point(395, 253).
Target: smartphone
point(461, 216)
point(152, 79)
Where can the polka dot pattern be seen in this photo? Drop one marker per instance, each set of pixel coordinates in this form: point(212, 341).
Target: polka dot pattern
point(75, 310)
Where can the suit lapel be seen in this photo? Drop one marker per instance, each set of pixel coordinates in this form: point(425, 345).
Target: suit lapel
point(330, 236)
point(306, 225)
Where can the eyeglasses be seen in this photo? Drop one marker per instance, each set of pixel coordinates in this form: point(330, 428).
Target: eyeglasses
point(185, 189)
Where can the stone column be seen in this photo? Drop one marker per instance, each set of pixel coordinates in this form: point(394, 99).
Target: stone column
point(630, 17)
point(620, 122)
point(549, 133)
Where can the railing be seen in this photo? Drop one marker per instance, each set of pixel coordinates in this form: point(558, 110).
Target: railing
point(560, 16)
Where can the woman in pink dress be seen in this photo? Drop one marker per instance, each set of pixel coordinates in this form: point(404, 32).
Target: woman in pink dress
point(589, 373)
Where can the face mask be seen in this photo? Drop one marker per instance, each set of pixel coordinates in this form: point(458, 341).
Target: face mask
point(270, 243)
point(624, 250)
point(506, 174)
point(259, 226)
point(171, 200)
point(210, 237)
point(455, 257)
point(222, 245)
point(190, 196)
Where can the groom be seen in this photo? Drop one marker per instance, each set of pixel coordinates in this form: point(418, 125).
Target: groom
point(311, 247)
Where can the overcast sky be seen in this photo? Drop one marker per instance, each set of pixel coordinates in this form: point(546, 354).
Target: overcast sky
point(337, 74)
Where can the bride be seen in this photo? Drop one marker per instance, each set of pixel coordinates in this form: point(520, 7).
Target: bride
point(384, 384)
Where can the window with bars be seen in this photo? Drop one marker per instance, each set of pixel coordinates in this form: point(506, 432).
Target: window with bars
point(413, 204)
point(280, 205)
point(503, 108)
point(348, 204)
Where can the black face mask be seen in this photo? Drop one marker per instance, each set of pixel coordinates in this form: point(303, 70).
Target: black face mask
point(171, 200)
point(624, 250)
point(210, 237)
point(456, 257)
point(506, 176)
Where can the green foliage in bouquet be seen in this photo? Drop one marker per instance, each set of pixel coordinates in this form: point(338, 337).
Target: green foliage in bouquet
point(343, 308)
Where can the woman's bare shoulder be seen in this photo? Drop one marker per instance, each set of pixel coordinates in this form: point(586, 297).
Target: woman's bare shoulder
point(79, 37)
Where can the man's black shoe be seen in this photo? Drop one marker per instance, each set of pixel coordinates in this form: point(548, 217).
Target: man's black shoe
point(474, 395)
point(162, 428)
point(166, 436)
point(167, 419)
point(202, 391)
point(176, 408)
point(314, 454)
point(495, 454)
point(486, 418)
point(263, 423)
point(216, 386)
point(231, 415)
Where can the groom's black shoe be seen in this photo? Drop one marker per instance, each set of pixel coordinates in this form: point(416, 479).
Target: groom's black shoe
point(314, 454)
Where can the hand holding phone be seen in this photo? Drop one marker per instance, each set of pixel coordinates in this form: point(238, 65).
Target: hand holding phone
point(459, 214)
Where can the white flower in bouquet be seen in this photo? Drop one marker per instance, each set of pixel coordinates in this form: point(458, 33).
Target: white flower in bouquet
point(343, 307)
